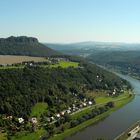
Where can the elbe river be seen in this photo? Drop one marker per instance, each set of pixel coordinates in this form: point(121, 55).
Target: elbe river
point(113, 125)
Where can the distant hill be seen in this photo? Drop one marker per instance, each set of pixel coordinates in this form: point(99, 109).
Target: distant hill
point(24, 46)
point(127, 62)
point(90, 47)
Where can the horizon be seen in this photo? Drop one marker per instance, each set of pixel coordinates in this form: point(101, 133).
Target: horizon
point(72, 21)
point(78, 42)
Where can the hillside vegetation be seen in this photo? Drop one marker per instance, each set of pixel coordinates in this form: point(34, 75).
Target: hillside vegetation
point(25, 87)
point(41, 93)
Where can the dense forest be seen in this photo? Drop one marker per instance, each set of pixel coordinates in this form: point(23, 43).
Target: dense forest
point(25, 87)
point(24, 46)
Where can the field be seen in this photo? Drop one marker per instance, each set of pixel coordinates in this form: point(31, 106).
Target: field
point(38, 109)
point(10, 59)
point(65, 64)
point(7, 59)
point(3, 136)
point(29, 136)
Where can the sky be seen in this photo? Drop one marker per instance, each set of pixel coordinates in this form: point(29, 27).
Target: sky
point(65, 21)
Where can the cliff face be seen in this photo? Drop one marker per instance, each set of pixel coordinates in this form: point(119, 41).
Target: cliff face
point(24, 46)
point(21, 39)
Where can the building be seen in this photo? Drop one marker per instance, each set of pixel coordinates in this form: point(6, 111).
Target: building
point(34, 120)
point(20, 120)
point(90, 103)
point(58, 115)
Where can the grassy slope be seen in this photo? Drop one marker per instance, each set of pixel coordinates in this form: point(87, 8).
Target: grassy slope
point(38, 109)
point(28, 136)
point(65, 64)
point(68, 132)
point(3, 136)
point(102, 99)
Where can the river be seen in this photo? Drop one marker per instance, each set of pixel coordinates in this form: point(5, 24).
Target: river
point(117, 122)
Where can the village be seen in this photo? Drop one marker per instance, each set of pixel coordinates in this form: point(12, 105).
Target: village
point(71, 110)
point(52, 119)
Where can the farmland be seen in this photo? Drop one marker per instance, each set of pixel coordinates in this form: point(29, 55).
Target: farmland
point(10, 59)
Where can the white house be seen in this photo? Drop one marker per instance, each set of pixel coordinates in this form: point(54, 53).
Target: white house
point(34, 120)
point(58, 115)
point(90, 103)
point(20, 120)
point(52, 118)
point(68, 111)
point(84, 104)
point(62, 112)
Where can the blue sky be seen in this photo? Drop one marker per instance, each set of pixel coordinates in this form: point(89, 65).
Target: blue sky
point(71, 20)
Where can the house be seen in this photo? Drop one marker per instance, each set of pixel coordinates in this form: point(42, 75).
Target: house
point(68, 111)
point(73, 109)
point(69, 108)
point(52, 118)
point(114, 93)
point(62, 112)
point(31, 64)
point(34, 120)
point(9, 117)
point(73, 106)
point(20, 120)
point(58, 115)
point(81, 106)
point(84, 104)
point(85, 99)
point(90, 103)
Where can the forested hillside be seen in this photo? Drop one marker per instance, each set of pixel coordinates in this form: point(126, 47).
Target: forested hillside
point(25, 87)
point(24, 46)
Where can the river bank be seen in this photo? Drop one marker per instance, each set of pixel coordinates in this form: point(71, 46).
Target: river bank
point(117, 122)
point(118, 104)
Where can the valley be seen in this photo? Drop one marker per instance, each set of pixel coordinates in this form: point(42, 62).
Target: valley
point(70, 70)
point(56, 96)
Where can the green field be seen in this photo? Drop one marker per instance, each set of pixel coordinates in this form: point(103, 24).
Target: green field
point(64, 64)
point(3, 136)
point(28, 136)
point(105, 98)
point(38, 109)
